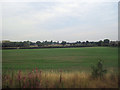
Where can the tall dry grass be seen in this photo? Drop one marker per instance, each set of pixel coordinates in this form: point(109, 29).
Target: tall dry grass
point(51, 79)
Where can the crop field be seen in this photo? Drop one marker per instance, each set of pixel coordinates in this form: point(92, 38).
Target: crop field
point(68, 59)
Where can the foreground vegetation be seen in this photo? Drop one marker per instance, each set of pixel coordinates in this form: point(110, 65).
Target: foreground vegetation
point(42, 79)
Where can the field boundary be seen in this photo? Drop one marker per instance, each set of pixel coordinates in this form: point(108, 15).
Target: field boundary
point(43, 47)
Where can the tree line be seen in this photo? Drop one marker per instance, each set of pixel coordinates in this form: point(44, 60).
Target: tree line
point(105, 42)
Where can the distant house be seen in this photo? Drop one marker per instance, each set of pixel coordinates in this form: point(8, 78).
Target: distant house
point(35, 45)
point(68, 44)
point(55, 45)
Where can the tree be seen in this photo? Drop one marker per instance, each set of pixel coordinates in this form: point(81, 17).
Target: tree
point(57, 42)
point(87, 42)
point(39, 43)
point(63, 43)
point(106, 42)
point(98, 70)
point(26, 43)
point(51, 42)
point(100, 43)
point(78, 42)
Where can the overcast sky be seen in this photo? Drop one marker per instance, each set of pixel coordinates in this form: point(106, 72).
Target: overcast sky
point(71, 21)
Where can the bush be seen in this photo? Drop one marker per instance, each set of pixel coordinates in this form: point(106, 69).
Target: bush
point(98, 70)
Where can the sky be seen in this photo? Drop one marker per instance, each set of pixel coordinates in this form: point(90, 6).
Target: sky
point(60, 20)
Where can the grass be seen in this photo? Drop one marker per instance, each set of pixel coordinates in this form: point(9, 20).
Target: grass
point(19, 65)
point(67, 59)
point(39, 79)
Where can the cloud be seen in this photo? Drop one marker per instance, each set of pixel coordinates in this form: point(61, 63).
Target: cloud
point(59, 0)
point(71, 20)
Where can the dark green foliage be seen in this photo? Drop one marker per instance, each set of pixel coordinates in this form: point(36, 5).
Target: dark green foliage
point(63, 43)
point(98, 70)
point(106, 42)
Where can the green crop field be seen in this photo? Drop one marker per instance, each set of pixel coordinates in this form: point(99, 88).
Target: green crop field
point(69, 59)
